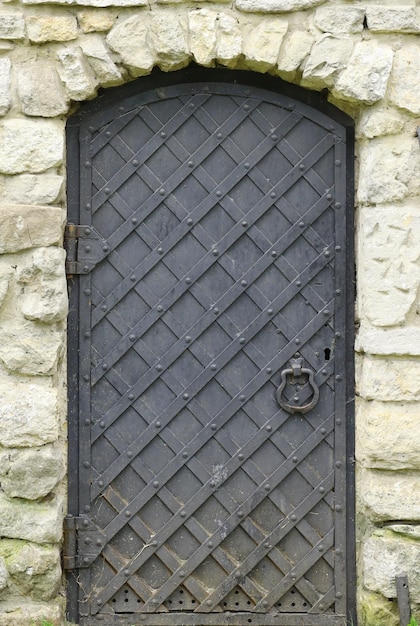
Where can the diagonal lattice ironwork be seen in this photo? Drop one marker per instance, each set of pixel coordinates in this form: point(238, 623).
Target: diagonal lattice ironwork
point(217, 207)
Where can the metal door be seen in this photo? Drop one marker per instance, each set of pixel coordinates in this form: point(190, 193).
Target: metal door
point(210, 428)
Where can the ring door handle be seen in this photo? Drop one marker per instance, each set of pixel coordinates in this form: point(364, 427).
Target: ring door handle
point(297, 371)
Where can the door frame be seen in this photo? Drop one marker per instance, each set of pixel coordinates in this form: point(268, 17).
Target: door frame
point(157, 79)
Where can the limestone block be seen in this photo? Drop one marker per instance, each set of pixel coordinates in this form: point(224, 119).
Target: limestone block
point(4, 285)
point(28, 413)
point(202, 32)
point(5, 78)
point(99, 58)
point(168, 40)
point(3, 574)
point(388, 170)
point(229, 44)
point(91, 3)
point(40, 522)
point(40, 90)
point(44, 297)
point(395, 18)
point(366, 75)
point(390, 380)
point(76, 73)
point(32, 349)
point(387, 435)
point(378, 120)
point(406, 93)
point(386, 556)
point(295, 48)
point(30, 189)
point(12, 25)
point(406, 530)
point(14, 612)
point(389, 263)
point(23, 226)
point(329, 55)
point(276, 6)
point(57, 27)
point(397, 341)
point(376, 610)
point(31, 473)
point(30, 145)
point(261, 44)
point(338, 20)
point(390, 495)
point(128, 38)
point(34, 569)
point(91, 20)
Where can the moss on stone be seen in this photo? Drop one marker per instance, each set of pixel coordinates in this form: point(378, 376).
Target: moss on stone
point(376, 610)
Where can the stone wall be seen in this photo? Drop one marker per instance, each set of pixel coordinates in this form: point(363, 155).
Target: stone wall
point(56, 53)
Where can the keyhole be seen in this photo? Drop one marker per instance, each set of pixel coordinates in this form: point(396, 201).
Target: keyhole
point(327, 354)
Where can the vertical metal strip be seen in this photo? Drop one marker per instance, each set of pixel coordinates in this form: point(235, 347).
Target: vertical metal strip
point(84, 344)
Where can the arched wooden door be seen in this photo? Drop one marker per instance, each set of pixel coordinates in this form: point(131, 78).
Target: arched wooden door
point(210, 357)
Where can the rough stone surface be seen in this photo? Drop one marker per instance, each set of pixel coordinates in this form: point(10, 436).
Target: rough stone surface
point(329, 55)
point(386, 556)
point(5, 83)
point(99, 58)
point(30, 189)
point(34, 569)
point(129, 39)
point(408, 530)
point(389, 263)
point(203, 40)
point(393, 19)
point(366, 75)
point(44, 297)
point(294, 50)
point(47, 27)
point(276, 6)
point(4, 285)
point(28, 412)
point(336, 20)
point(261, 45)
point(382, 493)
point(388, 170)
point(29, 146)
point(376, 610)
point(40, 522)
point(92, 20)
point(229, 44)
point(40, 89)
point(12, 26)
point(168, 40)
point(16, 613)
point(378, 121)
point(385, 435)
point(406, 93)
point(389, 379)
point(31, 473)
point(390, 341)
point(76, 74)
point(26, 226)
point(29, 348)
point(90, 3)
point(3, 574)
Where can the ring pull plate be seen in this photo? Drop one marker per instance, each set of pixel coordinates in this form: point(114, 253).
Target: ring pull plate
point(292, 375)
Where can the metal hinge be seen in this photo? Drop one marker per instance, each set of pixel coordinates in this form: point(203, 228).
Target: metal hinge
point(83, 542)
point(85, 248)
